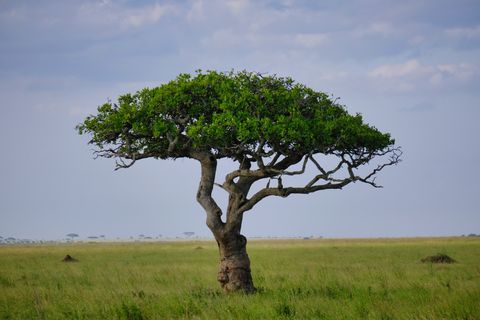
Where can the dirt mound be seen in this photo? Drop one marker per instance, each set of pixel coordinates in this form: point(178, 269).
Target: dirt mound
point(438, 258)
point(199, 248)
point(69, 258)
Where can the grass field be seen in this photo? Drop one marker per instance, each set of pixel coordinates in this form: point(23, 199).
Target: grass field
point(297, 279)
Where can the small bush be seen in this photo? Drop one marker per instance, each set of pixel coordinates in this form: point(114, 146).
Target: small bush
point(438, 258)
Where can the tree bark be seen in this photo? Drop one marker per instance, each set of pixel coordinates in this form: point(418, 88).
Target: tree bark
point(234, 274)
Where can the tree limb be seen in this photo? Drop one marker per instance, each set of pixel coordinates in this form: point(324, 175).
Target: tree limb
point(396, 153)
point(275, 159)
point(332, 183)
point(285, 192)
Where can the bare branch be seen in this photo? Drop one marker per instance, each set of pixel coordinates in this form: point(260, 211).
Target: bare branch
point(260, 163)
point(332, 183)
point(317, 165)
point(275, 159)
point(292, 173)
point(396, 153)
point(121, 157)
point(285, 192)
point(266, 172)
point(221, 186)
point(120, 163)
point(325, 175)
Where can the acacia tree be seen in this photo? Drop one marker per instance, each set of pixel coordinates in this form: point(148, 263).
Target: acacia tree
point(271, 127)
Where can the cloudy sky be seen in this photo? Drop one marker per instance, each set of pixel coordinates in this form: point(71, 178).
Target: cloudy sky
point(411, 67)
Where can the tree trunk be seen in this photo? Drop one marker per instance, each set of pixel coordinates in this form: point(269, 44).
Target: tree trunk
point(234, 274)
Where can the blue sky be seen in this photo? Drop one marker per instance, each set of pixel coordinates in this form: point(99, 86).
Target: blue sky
point(412, 68)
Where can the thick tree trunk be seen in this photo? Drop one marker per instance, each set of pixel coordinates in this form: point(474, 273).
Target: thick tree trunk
point(234, 274)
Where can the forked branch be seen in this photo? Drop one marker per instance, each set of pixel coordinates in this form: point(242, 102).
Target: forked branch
point(327, 176)
point(121, 157)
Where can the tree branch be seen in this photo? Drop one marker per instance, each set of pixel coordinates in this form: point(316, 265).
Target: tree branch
point(332, 183)
point(266, 172)
point(120, 162)
point(275, 159)
point(396, 153)
point(285, 192)
point(292, 173)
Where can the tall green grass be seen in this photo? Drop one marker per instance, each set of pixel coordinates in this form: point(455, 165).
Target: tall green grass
point(296, 279)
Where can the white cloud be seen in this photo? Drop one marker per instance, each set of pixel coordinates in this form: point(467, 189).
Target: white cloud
point(147, 15)
point(105, 2)
point(196, 11)
point(462, 72)
point(263, 39)
point(237, 6)
point(396, 70)
point(412, 74)
point(224, 38)
point(110, 14)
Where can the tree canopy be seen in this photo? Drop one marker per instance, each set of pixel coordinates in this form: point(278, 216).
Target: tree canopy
point(242, 116)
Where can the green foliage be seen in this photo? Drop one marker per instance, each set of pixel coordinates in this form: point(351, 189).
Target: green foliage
point(230, 114)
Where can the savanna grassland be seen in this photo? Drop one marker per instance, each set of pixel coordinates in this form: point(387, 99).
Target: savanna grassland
point(296, 279)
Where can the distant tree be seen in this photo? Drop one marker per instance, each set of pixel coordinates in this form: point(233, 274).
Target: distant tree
point(272, 129)
point(71, 236)
point(189, 233)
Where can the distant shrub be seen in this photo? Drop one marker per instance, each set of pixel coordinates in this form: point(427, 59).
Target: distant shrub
point(69, 258)
point(439, 258)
